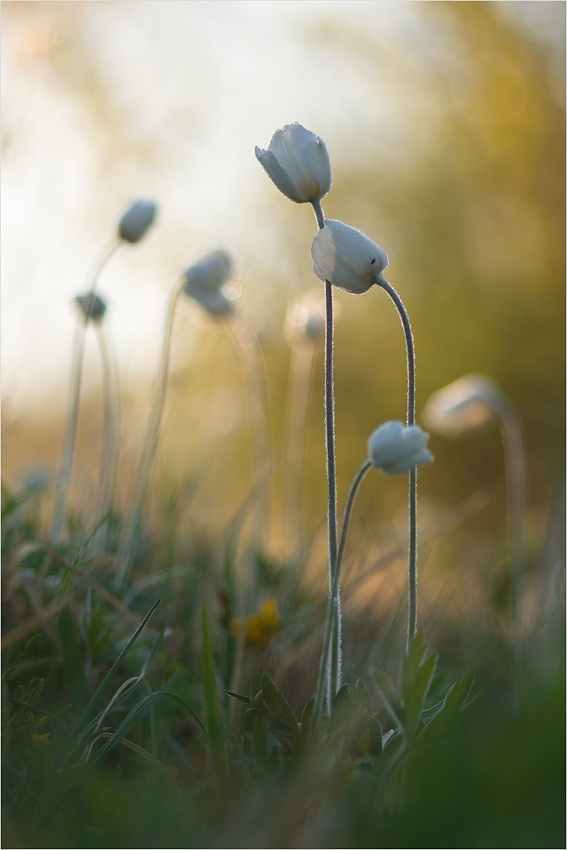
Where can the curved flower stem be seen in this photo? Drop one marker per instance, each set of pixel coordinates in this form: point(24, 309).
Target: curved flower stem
point(335, 661)
point(412, 497)
point(321, 686)
point(147, 459)
point(71, 433)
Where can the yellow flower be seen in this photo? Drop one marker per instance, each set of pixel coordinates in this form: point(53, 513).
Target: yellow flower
point(261, 627)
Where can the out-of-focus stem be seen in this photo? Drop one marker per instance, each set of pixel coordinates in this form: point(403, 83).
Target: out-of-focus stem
point(252, 359)
point(515, 463)
point(110, 437)
point(71, 433)
point(147, 459)
point(412, 486)
point(301, 364)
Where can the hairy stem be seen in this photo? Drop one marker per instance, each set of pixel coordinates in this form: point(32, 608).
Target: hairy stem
point(335, 601)
point(327, 648)
point(412, 495)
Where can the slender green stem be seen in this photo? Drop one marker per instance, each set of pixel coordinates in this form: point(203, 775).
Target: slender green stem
point(71, 433)
point(335, 660)
point(412, 496)
point(321, 686)
point(147, 460)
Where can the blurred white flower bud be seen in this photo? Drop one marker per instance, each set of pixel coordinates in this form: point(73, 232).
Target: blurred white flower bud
point(298, 163)
point(305, 319)
point(346, 257)
point(394, 448)
point(92, 306)
point(463, 407)
point(204, 280)
point(136, 221)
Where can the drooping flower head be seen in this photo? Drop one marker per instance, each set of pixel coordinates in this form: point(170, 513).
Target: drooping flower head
point(204, 280)
point(346, 257)
point(394, 448)
point(92, 306)
point(298, 163)
point(136, 221)
point(463, 407)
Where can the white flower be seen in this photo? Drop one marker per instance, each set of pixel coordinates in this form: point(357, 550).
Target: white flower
point(136, 221)
point(204, 280)
point(346, 257)
point(298, 163)
point(465, 406)
point(394, 448)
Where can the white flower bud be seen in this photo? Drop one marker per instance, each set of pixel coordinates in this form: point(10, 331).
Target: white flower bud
point(136, 221)
point(463, 407)
point(204, 280)
point(346, 257)
point(92, 306)
point(394, 448)
point(298, 163)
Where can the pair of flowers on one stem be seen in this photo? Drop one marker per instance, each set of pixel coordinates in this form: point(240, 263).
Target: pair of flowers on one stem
point(132, 227)
point(298, 163)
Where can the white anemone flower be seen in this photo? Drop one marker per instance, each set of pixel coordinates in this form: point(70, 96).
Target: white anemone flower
point(298, 163)
point(394, 448)
point(347, 257)
point(204, 280)
point(463, 407)
point(136, 221)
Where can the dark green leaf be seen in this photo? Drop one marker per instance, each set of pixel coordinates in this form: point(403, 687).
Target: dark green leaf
point(277, 703)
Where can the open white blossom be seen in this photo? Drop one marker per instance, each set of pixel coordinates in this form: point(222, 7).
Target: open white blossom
point(298, 163)
point(394, 448)
point(136, 221)
point(346, 257)
point(463, 407)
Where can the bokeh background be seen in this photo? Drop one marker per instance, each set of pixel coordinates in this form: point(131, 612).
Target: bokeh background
point(445, 127)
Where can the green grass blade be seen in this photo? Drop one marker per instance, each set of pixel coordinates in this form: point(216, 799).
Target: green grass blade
point(212, 707)
point(113, 669)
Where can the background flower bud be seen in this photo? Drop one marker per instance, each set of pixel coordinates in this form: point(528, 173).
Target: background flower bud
point(204, 280)
point(346, 257)
point(394, 448)
point(463, 407)
point(305, 319)
point(136, 221)
point(298, 163)
point(92, 306)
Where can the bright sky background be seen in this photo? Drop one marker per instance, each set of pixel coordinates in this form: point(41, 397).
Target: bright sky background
point(104, 103)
